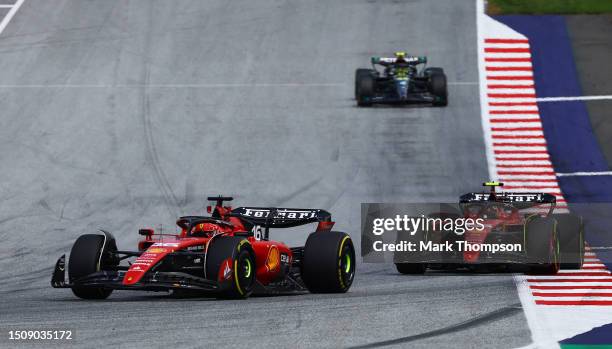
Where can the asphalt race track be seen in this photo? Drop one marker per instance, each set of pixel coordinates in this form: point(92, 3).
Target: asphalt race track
point(120, 115)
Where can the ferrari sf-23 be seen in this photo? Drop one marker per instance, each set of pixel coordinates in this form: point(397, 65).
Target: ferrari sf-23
point(548, 241)
point(227, 254)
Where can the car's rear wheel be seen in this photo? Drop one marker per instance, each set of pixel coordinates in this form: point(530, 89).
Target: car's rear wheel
point(328, 265)
point(359, 73)
point(437, 86)
point(542, 245)
point(87, 256)
point(365, 89)
point(571, 240)
point(231, 262)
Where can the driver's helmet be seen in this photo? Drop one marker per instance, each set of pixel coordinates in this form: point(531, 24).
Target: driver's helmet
point(400, 56)
point(491, 212)
point(204, 229)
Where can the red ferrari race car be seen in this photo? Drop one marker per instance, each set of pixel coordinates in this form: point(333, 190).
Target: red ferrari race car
point(228, 254)
point(515, 230)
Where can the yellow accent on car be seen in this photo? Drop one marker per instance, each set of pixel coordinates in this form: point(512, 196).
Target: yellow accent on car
point(340, 261)
point(236, 279)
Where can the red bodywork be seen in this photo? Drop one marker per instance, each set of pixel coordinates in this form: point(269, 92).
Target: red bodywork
point(268, 254)
point(503, 217)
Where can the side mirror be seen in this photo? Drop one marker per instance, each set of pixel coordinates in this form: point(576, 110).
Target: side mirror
point(146, 232)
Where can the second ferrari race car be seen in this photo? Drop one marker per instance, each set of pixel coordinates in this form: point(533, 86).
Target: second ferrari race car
point(400, 82)
point(227, 254)
point(548, 241)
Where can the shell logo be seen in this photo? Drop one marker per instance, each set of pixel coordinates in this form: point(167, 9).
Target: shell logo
point(273, 260)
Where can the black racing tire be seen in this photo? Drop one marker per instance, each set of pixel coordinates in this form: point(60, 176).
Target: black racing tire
point(366, 85)
point(438, 88)
point(328, 265)
point(86, 258)
point(239, 282)
point(358, 74)
point(570, 229)
point(542, 245)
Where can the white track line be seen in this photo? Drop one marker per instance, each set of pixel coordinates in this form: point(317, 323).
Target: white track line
point(575, 174)
point(571, 99)
point(235, 85)
point(219, 85)
point(10, 14)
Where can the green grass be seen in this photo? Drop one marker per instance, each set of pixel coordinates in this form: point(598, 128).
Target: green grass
point(497, 7)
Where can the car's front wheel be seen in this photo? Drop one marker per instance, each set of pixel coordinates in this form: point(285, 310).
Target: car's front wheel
point(86, 257)
point(231, 262)
point(328, 265)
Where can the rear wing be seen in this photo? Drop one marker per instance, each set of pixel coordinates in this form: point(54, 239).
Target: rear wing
point(520, 200)
point(391, 60)
point(273, 217)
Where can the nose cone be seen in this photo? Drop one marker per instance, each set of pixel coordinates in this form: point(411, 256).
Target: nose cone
point(402, 89)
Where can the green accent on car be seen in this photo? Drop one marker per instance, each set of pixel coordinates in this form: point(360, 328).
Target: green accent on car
point(247, 273)
point(347, 268)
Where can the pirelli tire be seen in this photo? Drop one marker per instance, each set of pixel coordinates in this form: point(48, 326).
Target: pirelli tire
point(90, 254)
point(328, 264)
point(359, 73)
point(365, 86)
point(436, 84)
point(231, 262)
point(541, 245)
point(570, 229)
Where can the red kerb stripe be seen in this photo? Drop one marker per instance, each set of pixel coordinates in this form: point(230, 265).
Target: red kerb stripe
point(569, 294)
point(505, 144)
point(528, 173)
point(510, 86)
point(529, 187)
point(515, 120)
point(506, 41)
point(513, 112)
point(506, 50)
point(521, 152)
point(511, 95)
point(517, 137)
point(502, 59)
point(574, 287)
point(601, 267)
point(509, 69)
point(583, 302)
point(510, 77)
point(606, 280)
point(516, 129)
point(511, 104)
